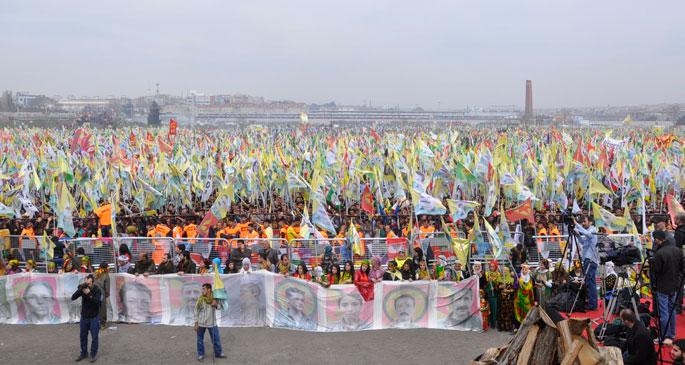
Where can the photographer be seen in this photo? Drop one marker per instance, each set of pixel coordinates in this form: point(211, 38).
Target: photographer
point(587, 237)
point(91, 299)
point(667, 269)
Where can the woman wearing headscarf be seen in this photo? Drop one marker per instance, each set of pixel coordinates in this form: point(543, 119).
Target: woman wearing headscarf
point(376, 273)
point(543, 282)
point(524, 294)
point(320, 278)
point(478, 271)
point(363, 281)
point(491, 291)
point(610, 278)
point(247, 266)
point(329, 259)
point(506, 286)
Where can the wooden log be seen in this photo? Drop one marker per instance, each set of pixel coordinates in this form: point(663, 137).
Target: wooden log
point(611, 355)
point(560, 349)
point(578, 326)
point(545, 317)
point(526, 350)
point(566, 335)
point(572, 353)
point(545, 347)
point(510, 355)
point(591, 336)
point(490, 354)
point(587, 355)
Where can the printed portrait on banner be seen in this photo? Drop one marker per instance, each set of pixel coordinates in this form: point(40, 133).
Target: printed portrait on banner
point(246, 303)
point(70, 283)
point(458, 306)
point(346, 310)
point(405, 306)
point(138, 299)
point(295, 304)
point(5, 307)
point(35, 297)
point(183, 293)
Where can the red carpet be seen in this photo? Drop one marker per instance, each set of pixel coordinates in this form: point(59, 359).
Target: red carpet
point(597, 316)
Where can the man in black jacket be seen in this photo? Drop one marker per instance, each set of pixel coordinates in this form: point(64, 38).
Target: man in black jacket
point(679, 237)
point(667, 269)
point(91, 299)
point(639, 346)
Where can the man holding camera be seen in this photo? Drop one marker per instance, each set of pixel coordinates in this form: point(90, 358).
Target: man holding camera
point(91, 299)
point(667, 270)
point(587, 237)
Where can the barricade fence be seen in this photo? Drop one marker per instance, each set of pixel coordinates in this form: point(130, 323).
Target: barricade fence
point(309, 251)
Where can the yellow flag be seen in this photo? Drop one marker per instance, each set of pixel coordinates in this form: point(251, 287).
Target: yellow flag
point(597, 187)
point(49, 246)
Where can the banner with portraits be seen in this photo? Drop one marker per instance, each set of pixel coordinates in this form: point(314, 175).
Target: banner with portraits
point(258, 299)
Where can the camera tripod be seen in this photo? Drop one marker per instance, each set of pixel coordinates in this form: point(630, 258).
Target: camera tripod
point(572, 241)
point(622, 282)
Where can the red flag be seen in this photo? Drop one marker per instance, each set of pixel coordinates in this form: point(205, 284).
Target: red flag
point(132, 139)
point(164, 147)
point(375, 135)
point(674, 208)
point(173, 124)
point(367, 200)
point(523, 211)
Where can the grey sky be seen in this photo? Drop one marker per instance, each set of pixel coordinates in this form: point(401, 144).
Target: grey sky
point(434, 53)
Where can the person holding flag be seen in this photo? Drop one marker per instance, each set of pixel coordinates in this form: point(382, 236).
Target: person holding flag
point(205, 319)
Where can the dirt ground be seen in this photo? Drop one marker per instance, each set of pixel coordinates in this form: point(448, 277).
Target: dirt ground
point(158, 344)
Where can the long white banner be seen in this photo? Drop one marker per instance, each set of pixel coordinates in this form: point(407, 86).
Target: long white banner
point(254, 300)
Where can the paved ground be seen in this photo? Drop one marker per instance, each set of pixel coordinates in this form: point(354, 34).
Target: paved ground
point(145, 344)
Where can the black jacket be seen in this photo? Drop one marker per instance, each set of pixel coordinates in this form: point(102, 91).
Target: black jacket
point(667, 267)
point(90, 303)
point(639, 346)
point(679, 236)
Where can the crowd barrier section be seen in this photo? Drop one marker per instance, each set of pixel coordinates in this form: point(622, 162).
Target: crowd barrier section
point(205, 249)
point(254, 247)
point(254, 300)
point(155, 247)
point(98, 250)
point(29, 247)
point(385, 248)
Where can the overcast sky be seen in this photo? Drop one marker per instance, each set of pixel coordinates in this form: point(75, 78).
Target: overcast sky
point(434, 54)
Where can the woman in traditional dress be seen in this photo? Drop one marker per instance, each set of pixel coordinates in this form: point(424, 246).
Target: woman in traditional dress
point(347, 275)
point(506, 288)
point(363, 281)
point(524, 294)
point(491, 291)
point(543, 282)
point(422, 273)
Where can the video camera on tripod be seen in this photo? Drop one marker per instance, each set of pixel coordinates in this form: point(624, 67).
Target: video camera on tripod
point(620, 254)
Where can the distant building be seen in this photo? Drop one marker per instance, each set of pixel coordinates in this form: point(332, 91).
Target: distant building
point(25, 100)
point(77, 105)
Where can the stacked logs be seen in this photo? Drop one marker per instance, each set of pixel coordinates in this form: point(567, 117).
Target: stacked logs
point(541, 341)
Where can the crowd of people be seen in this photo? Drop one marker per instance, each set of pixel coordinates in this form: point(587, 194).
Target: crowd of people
point(356, 183)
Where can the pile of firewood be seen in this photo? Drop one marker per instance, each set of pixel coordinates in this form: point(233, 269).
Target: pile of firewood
point(540, 341)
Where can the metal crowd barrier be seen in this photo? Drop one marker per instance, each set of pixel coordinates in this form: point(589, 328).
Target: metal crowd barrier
point(253, 247)
point(28, 248)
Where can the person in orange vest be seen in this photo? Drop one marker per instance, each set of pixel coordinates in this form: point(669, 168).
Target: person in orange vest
point(104, 214)
point(190, 229)
point(29, 234)
point(177, 231)
point(426, 229)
